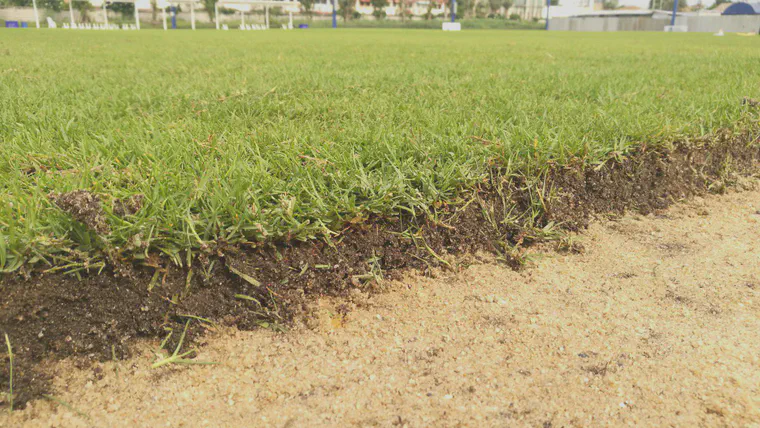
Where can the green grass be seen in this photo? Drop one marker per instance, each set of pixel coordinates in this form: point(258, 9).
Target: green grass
point(246, 137)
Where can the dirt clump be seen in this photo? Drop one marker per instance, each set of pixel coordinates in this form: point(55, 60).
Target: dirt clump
point(128, 206)
point(84, 207)
point(747, 101)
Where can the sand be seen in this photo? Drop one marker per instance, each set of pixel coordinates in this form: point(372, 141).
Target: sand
point(657, 323)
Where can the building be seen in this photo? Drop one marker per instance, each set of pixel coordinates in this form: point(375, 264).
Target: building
point(742, 9)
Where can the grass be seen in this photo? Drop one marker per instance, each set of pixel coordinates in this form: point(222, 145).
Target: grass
point(65, 404)
point(176, 357)
point(249, 137)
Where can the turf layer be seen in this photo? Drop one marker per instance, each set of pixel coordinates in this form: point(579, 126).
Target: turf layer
point(254, 137)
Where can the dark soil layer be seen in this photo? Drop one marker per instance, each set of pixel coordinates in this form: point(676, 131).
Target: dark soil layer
point(52, 316)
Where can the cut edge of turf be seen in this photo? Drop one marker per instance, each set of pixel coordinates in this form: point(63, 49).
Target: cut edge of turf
point(96, 316)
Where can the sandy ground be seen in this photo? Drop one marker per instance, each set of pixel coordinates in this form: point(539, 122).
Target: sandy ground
point(656, 324)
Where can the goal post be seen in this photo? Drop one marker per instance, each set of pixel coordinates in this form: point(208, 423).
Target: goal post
point(192, 4)
point(96, 4)
point(240, 5)
point(247, 5)
point(36, 14)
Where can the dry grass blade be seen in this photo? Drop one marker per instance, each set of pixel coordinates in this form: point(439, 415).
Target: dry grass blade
point(66, 405)
point(247, 278)
point(249, 298)
point(179, 358)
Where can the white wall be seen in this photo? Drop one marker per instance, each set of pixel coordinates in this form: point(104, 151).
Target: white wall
point(704, 24)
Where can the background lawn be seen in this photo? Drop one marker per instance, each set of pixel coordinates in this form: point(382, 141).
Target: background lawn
point(255, 136)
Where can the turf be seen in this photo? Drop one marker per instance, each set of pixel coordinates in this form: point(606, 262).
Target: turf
point(249, 137)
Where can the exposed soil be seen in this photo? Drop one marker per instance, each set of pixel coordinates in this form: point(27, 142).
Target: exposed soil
point(84, 207)
point(52, 316)
point(656, 323)
point(128, 206)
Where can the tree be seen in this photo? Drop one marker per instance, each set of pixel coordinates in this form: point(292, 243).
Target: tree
point(308, 6)
point(494, 5)
point(55, 5)
point(210, 6)
point(83, 7)
point(667, 4)
point(125, 9)
point(154, 11)
point(402, 9)
point(611, 4)
point(378, 8)
point(718, 3)
point(346, 9)
point(481, 9)
point(506, 4)
point(464, 8)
